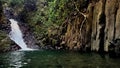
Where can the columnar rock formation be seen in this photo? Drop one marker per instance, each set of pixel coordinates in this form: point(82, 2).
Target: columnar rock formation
point(102, 25)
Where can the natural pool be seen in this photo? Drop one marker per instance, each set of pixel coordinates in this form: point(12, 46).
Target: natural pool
point(56, 59)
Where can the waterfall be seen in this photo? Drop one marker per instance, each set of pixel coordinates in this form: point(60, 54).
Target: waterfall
point(16, 35)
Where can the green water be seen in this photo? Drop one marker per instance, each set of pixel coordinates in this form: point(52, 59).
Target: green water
point(55, 59)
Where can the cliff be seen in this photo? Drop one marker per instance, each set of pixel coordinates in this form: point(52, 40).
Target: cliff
point(85, 25)
point(93, 27)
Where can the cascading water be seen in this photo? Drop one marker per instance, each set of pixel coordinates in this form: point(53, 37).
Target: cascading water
point(16, 35)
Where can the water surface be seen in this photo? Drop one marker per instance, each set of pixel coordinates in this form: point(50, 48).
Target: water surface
point(55, 59)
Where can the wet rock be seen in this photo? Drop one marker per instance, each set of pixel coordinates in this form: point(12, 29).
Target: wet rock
point(6, 44)
point(30, 5)
point(114, 48)
point(101, 26)
point(97, 24)
point(8, 13)
point(28, 36)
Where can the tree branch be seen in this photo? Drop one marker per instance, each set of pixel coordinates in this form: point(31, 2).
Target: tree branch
point(84, 15)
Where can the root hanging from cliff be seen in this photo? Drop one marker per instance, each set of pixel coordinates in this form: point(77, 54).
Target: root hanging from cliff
point(85, 15)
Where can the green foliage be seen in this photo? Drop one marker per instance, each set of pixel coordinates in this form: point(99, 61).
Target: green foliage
point(49, 14)
point(2, 35)
point(56, 12)
point(52, 14)
point(4, 41)
point(16, 2)
point(13, 3)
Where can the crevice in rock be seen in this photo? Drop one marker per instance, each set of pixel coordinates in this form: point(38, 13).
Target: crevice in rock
point(102, 33)
point(102, 29)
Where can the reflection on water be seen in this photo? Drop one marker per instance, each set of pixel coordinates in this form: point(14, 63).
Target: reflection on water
point(15, 59)
point(12, 60)
point(55, 59)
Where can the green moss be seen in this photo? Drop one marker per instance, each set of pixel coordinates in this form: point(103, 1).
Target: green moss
point(4, 41)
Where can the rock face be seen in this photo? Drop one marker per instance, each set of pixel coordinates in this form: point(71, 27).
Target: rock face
point(90, 25)
point(28, 36)
point(4, 41)
point(102, 25)
point(114, 48)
